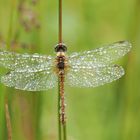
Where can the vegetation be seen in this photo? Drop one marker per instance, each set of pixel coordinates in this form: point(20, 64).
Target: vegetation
point(109, 112)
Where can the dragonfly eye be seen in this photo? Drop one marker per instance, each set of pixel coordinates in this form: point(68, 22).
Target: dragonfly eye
point(60, 48)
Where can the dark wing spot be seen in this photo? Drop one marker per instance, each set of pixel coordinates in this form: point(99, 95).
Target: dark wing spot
point(121, 41)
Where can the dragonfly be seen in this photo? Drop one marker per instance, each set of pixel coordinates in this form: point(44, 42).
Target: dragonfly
point(35, 72)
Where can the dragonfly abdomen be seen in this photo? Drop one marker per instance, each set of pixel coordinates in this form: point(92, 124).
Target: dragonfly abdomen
point(62, 98)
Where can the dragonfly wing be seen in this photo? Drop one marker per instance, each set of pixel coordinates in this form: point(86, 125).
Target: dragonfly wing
point(31, 81)
point(101, 56)
point(93, 76)
point(25, 62)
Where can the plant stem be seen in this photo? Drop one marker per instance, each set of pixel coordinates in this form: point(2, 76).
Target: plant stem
point(64, 132)
point(60, 81)
point(60, 21)
point(8, 122)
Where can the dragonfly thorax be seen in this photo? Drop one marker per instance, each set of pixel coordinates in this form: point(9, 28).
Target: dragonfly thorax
point(61, 62)
point(61, 65)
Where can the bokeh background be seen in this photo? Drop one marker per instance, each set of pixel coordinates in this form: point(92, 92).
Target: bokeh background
point(109, 112)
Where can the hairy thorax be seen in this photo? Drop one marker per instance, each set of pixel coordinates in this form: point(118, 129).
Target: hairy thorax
point(61, 63)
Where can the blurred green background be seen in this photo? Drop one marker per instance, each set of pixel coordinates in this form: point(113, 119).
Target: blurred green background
point(109, 112)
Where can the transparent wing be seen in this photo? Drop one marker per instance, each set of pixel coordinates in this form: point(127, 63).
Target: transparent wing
point(93, 76)
point(25, 62)
point(31, 81)
point(101, 56)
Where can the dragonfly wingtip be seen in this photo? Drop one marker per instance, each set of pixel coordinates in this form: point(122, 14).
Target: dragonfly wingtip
point(126, 42)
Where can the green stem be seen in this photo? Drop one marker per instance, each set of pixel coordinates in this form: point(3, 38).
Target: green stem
point(64, 132)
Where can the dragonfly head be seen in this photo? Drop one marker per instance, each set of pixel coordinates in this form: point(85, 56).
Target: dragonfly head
point(60, 48)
